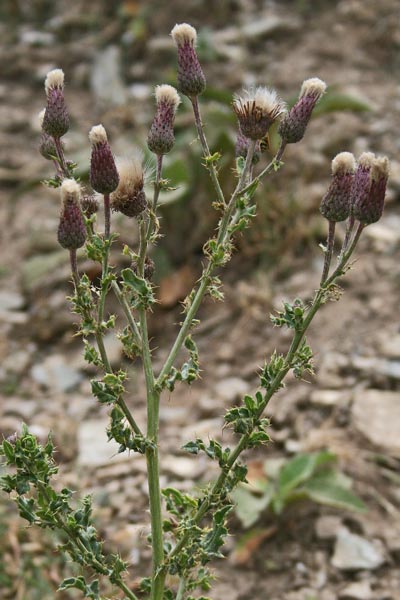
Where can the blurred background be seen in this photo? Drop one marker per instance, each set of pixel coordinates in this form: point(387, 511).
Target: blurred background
point(113, 54)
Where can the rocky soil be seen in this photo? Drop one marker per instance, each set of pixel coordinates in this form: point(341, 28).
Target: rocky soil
point(112, 58)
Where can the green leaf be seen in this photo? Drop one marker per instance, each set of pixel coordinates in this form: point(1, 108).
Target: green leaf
point(296, 471)
point(338, 102)
point(134, 282)
point(324, 490)
point(8, 450)
point(249, 506)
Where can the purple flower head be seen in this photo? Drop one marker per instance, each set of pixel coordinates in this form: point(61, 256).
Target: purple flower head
point(56, 119)
point(129, 198)
point(71, 229)
point(336, 204)
point(368, 208)
point(191, 79)
point(293, 126)
point(256, 110)
point(103, 172)
point(161, 135)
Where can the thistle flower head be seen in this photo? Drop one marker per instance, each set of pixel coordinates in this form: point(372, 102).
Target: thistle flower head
point(294, 124)
point(184, 34)
point(71, 229)
point(336, 204)
point(191, 80)
point(103, 172)
point(46, 146)
point(368, 206)
point(129, 198)
point(54, 79)
point(55, 120)
point(256, 110)
point(161, 135)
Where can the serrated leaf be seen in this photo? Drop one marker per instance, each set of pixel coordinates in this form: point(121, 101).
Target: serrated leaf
point(134, 282)
point(296, 471)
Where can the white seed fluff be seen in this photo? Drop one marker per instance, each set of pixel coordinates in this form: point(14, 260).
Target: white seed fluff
point(167, 93)
point(380, 167)
point(97, 135)
point(344, 162)
point(70, 187)
point(184, 33)
point(367, 160)
point(41, 117)
point(54, 79)
point(314, 86)
point(131, 172)
point(264, 99)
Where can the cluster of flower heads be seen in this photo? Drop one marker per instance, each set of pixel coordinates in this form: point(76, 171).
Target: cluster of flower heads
point(355, 191)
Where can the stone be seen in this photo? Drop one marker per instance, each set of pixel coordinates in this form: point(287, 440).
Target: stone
point(184, 468)
point(231, 389)
point(390, 346)
point(376, 414)
point(327, 527)
point(56, 374)
point(106, 81)
point(377, 366)
point(94, 448)
point(359, 590)
point(11, 300)
point(353, 552)
point(330, 397)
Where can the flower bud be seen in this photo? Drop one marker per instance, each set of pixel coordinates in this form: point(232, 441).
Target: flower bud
point(362, 180)
point(161, 136)
point(191, 80)
point(369, 208)
point(47, 147)
point(256, 110)
point(293, 126)
point(71, 230)
point(89, 205)
point(129, 197)
point(336, 204)
point(242, 147)
point(103, 172)
point(56, 119)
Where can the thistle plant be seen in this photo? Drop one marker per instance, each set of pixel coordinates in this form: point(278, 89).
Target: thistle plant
point(187, 530)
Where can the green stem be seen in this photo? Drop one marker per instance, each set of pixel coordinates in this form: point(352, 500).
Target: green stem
point(205, 278)
point(206, 150)
point(74, 268)
point(319, 299)
point(329, 250)
point(126, 308)
point(181, 589)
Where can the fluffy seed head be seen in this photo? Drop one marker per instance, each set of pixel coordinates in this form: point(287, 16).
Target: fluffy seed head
point(256, 110)
point(313, 87)
point(336, 204)
point(97, 135)
point(380, 168)
point(129, 197)
point(344, 162)
point(168, 94)
point(184, 33)
point(54, 79)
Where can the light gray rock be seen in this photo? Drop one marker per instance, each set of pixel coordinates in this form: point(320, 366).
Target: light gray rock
point(106, 80)
point(359, 590)
point(231, 389)
point(94, 449)
point(377, 366)
point(11, 300)
point(327, 527)
point(330, 397)
point(184, 468)
point(376, 414)
point(353, 552)
point(56, 374)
